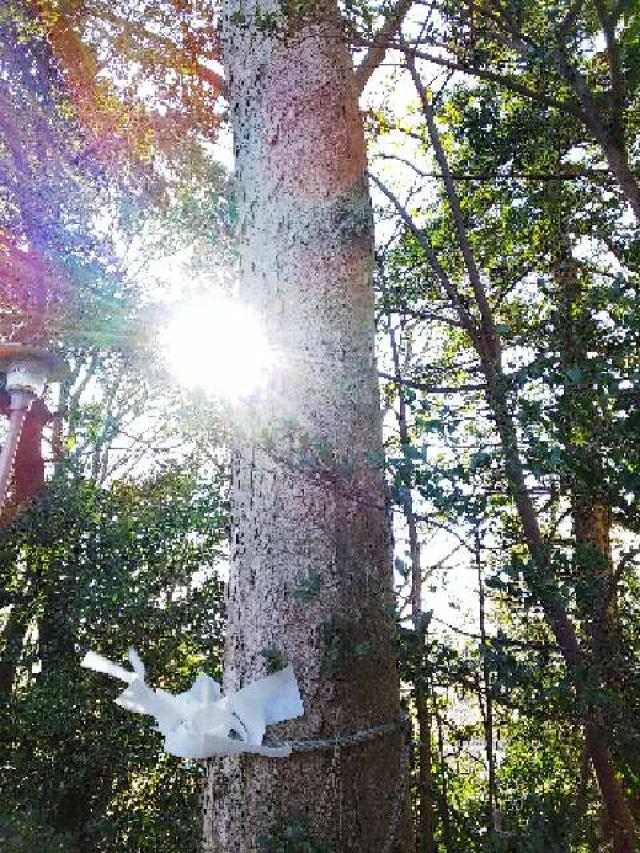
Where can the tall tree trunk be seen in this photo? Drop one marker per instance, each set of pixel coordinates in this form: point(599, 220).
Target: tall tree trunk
point(309, 511)
point(592, 519)
point(443, 794)
point(618, 811)
point(425, 773)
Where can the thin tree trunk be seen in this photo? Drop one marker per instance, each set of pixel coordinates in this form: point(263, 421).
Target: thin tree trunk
point(308, 490)
point(592, 518)
point(577, 827)
point(620, 816)
point(486, 684)
point(592, 527)
point(427, 843)
point(13, 635)
point(425, 773)
point(443, 799)
point(542, 579)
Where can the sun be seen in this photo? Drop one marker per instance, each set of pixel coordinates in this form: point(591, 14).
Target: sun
point(217, 345)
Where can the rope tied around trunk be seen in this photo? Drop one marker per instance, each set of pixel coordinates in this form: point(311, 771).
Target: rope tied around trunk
point(363, 736)
point(346, 739)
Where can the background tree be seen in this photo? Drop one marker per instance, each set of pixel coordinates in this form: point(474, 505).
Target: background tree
point(499, 287)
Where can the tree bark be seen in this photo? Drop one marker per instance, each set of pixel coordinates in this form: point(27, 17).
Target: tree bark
point(620, 822)
point(310, 564)
point(618, 812)
point(425, 773)
point(592, 519)
point(443, 798)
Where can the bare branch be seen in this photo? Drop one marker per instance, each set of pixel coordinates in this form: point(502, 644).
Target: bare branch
point(600, 175)
point(432, 389)
point(419, 314)
point(376, 52)
point(490, 336)
point(466, 319)
point(501, 79)
point(498, 641)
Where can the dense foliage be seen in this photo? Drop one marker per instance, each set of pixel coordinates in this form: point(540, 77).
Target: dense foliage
point(102, 568)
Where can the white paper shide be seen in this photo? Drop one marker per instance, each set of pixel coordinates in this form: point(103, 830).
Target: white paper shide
point(202, 722)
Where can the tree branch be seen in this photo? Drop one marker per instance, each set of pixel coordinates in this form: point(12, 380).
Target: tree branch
point(600, 175)
point(492, 76)
point(466, 319)
point(490, 336)
point(432, 389)
point(615, 72)
point(419, 314)
point(378, 48)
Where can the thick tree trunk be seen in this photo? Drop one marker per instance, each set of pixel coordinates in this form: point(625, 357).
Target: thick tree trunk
point(310, 568)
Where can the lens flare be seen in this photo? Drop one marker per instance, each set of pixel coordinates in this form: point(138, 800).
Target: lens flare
point(216, 344)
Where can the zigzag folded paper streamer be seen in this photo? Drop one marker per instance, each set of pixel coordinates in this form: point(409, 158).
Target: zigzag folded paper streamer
point(202, 722)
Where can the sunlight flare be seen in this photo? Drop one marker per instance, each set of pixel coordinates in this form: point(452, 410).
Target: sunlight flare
point(216, 344)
